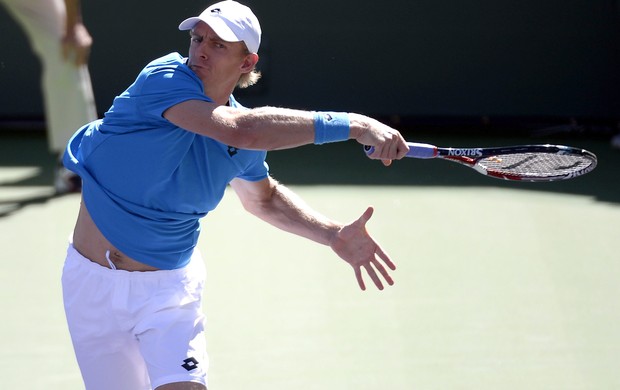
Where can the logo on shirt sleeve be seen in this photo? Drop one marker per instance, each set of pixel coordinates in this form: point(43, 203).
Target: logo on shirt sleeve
point(232, 151)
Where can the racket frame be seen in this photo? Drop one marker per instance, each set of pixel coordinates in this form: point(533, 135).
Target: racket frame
point(472, 156)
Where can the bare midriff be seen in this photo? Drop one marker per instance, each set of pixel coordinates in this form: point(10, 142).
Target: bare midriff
point(90, 243)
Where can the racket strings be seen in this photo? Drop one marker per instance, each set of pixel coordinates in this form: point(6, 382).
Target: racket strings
point(536, 165)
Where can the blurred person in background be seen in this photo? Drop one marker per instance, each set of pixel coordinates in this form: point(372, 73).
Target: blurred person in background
point(62, 43)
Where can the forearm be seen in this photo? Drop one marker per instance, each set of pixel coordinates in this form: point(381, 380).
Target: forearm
point(288, 212)
point(265, 128)
point(74, 14)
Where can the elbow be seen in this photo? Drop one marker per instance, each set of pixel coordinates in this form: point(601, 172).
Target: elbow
point(259, 199)
point(240, 130)
point(246, 137)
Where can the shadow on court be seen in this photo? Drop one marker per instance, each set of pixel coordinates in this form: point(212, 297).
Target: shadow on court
point(339, 163)
point(18, 151)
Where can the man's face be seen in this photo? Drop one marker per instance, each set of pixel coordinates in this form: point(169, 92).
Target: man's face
point(216, 62)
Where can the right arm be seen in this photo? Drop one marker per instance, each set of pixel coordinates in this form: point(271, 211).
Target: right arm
point(271, 128)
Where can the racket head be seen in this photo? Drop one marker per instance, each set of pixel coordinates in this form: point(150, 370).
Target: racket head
point(526, 162)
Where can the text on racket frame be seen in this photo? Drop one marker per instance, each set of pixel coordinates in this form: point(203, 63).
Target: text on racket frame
point(468, 152)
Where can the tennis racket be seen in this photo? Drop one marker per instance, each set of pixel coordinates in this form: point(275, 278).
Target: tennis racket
point(522, 163)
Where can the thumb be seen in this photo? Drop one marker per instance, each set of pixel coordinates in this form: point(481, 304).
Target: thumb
point(355, 227)
point(365, 217)
point(352, 228)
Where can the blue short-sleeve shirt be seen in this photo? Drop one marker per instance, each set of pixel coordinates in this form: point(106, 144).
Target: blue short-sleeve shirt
point(147, 182)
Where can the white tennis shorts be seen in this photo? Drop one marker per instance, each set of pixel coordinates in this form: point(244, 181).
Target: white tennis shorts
point(135, 330)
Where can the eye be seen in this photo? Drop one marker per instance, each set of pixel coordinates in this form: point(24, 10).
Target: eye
point(217, 44)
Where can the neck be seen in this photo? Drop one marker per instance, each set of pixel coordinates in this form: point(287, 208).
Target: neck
point(219, 96)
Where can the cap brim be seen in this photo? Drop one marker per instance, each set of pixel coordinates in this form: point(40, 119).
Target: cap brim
point(217, 24)
point(189, 23)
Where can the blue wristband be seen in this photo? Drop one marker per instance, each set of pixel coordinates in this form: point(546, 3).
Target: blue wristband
point(331, 127)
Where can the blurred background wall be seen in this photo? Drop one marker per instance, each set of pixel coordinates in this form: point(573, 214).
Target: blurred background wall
point(517, 61)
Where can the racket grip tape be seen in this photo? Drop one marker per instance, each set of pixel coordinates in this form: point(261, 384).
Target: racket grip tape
point(416, 150)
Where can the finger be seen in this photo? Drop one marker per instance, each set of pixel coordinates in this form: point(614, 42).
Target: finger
point(403, 148)
point(383, 272)
point(386, 163)
point(70, 54)
point(381, 152)
point(82, 57)
point(360, 279)
point(373, 276)
point(79, 56)
point(385, 257)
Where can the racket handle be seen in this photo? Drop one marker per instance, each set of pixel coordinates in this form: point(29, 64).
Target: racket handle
point(416, 150)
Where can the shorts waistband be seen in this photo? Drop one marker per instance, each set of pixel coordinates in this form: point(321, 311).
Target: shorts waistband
point(75, 258)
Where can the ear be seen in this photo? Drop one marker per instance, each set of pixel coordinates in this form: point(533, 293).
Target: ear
point(249, 63)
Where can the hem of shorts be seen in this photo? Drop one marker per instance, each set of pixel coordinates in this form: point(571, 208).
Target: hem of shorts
point(176, 379)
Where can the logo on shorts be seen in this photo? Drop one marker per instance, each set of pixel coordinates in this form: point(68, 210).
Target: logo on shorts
point(190, 364)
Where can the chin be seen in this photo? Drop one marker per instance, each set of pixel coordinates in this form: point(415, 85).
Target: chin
point(199, 71)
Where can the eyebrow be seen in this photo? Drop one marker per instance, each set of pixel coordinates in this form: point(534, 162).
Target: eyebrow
point(210, 37)
point(193, 32)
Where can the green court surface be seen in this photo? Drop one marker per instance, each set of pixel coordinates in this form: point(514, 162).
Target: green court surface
point(499, 285)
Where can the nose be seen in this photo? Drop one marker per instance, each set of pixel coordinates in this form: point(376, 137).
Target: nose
point(199, 49)
point(202, 50)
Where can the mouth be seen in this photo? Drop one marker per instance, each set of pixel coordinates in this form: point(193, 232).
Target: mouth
point(197, 67)
point(198, 70)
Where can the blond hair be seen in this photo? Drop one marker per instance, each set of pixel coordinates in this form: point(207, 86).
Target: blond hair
point(249, 79)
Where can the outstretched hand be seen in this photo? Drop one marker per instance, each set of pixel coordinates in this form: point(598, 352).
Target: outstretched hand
point(355, 246)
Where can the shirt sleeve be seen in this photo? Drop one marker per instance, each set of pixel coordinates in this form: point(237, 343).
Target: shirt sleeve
point(257, 170)
point(168, 86)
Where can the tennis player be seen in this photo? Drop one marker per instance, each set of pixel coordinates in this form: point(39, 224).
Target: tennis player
point(159, 161)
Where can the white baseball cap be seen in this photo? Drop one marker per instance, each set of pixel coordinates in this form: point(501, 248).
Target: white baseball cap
point(231, 21)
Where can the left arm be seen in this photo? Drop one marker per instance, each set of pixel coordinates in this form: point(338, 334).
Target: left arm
point(279, 206)
point(76, 41)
